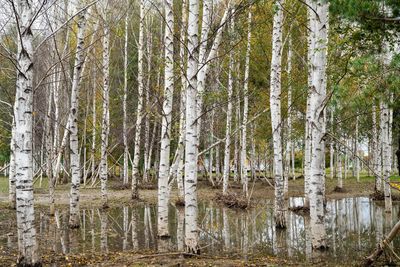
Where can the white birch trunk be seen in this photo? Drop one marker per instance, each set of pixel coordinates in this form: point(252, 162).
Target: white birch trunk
point(331, 148)
point(182, 119)
point(357, 160)
point(163, 190)
point(288, 151)
point(386, 154)
point(307, 139)
point(49, 151)
point(317, 105)
point(22, 138)
point(228, 126)
point(191, 211)
point(376, 148)
point(11, 174)
point(124, 126)
point(147, 122)
point(105, 124)
point(73, 124)
point(243, 153)
point(93, 152)
point(136, 156)
point(275, 106)
point(339, 166)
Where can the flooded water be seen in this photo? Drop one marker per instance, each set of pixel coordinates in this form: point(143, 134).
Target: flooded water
point(353, 225)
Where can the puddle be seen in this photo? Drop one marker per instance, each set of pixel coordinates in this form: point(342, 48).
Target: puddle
point(353, 226)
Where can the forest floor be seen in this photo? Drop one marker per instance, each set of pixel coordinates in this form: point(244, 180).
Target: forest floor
point(118, 196)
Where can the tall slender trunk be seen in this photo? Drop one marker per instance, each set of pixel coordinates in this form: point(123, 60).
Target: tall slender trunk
point(11, 174)
point(73, 124)
point(237, 140)
point(49, 151)
point(201, 79)
point(339, 165)
point(243, 153)
point(357, 160)
point(136, 156)
point(307, 139)
point(147, 122)
point(275, 105)
point(288, 151)
point(191, 211)
point(227, 150)
point(124, 127)
point(105, 124)
point(386, 154)
point(22, 138)
point(317, 104)
point(182, 118)
point(93, 152)
point(331, 147)
point(163, 190)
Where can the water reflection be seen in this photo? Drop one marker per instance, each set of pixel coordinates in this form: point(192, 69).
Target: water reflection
point(353, 225)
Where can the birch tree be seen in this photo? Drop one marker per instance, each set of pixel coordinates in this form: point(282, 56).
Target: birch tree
point(11, 174)
point(243, 155)
point(226, 171)
point(124, 126)
point(139, 114)
point(105, 124)
point(73, 123)
point(191, 211)
point(386, 154)
point(163, 190)
point(22, 136)
point(319, 21)
point(276, 120)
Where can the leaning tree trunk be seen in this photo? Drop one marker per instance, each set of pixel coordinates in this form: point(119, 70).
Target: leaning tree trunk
point(105, 124)
point(136, 156)
point(317, 104)
point(276, 120)
point(383, 244)
point(22, 138)
point(73, 124)
point(243, 154)
point(191, 210)
point(163, 190)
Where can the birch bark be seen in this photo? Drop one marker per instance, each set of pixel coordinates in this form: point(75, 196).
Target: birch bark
point(386, 154)
point(191, 211)
point(73, 124)
point(22, 138)
point(163, 190)
point(317, 104)
point(226, 170)
point(11, 174)
point(275, 105)
point(136, 156)
point(124, 127)
point(243, 153)
point(376, 147)
point(105, 124)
